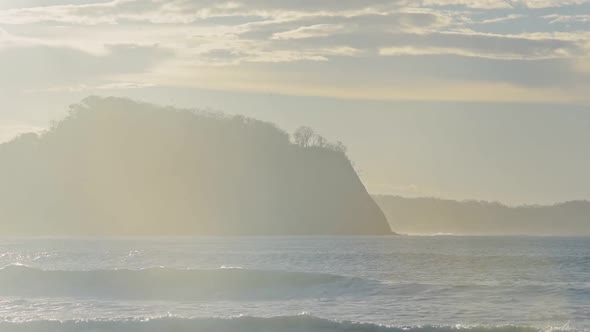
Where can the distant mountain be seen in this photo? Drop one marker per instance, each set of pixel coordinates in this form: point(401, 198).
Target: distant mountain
point(118, 167)
point(431, 215)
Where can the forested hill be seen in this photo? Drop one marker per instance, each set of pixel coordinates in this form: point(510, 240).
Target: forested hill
point(118, 167)
point(432, 215)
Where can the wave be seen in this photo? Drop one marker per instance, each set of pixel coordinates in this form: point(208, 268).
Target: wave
point(300, 323)
point(177, 284)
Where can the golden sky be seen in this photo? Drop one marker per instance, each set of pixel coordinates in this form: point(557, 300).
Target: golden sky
point(399, 62)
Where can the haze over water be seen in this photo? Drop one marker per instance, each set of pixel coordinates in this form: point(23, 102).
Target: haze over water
point(305, 283)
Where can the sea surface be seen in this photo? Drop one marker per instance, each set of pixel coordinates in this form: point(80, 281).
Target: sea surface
point(296, 284)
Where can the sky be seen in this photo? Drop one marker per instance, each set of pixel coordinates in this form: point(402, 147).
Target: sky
point(461, 99)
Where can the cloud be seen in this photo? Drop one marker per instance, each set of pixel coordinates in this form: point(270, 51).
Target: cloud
point(500, 19)
point(318, 30)
point(550, 3)
point(493, 46)
point(87, 13)
point(89, 88)
point(556, 18)
point(92, 43)
point(503, 4)
point(411, 50)
point(35, 67)
point(349, 79)
point(480, 4)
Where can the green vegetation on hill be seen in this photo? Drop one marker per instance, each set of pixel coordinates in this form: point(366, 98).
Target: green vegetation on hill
point(118, 167)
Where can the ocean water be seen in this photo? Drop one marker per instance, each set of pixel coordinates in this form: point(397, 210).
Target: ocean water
point(296, 284)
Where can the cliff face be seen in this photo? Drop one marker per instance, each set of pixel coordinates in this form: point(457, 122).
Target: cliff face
point(431, 215)
point(116, 167)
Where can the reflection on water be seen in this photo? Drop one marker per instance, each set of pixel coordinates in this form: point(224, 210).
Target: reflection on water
point(399, 281)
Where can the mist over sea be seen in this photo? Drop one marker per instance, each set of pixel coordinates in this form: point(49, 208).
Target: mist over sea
point(315, 283)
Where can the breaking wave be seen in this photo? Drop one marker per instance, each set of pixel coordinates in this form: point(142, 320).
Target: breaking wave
point(300, 323)
point(177, 284)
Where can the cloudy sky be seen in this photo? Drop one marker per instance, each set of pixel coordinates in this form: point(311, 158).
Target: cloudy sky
point(482, 99)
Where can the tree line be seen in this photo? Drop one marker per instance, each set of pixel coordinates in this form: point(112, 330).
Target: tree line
point(306, 137)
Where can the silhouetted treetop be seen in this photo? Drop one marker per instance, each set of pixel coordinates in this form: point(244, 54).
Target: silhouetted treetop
point(306, 137)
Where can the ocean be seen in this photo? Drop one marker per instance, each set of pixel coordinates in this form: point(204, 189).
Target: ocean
point(295, 284)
